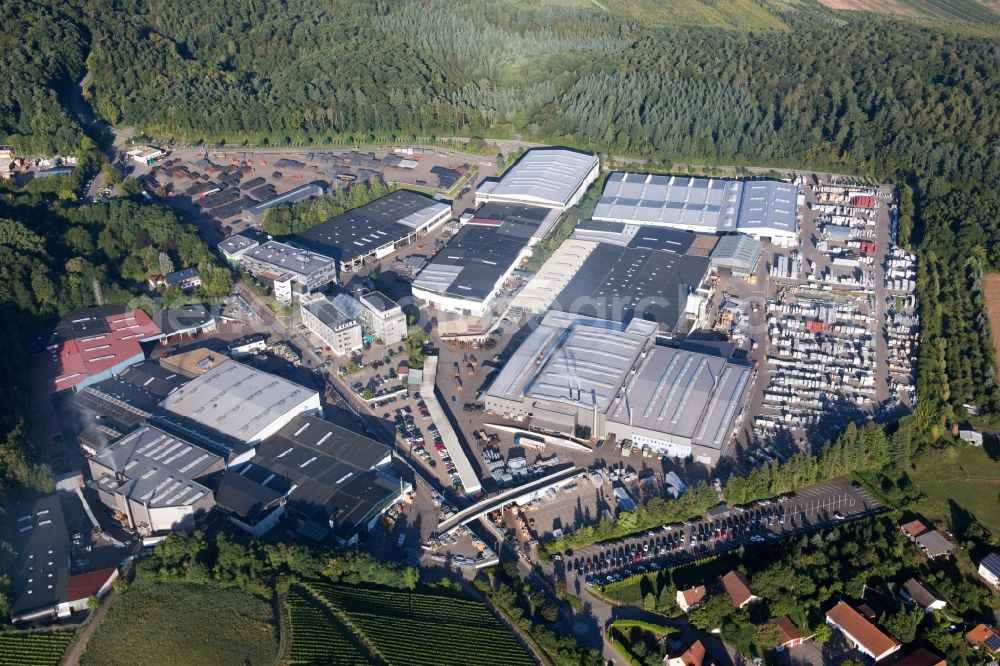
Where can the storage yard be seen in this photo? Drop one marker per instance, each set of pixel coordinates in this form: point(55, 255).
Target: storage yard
point(235, 189)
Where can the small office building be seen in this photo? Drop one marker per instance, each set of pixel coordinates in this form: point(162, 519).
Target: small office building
point(335, 322)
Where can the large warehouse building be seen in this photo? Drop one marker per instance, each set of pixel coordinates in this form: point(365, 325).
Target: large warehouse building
point(546, 177)
point(467, 275)
point(241, 403)
point(332, 479)
point(374, 231)
point(155, 480)
point(91, 345)
point(597, 378)
point(760, 208)
point(625, 283)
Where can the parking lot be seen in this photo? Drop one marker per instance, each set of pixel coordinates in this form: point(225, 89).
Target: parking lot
point(725, 529)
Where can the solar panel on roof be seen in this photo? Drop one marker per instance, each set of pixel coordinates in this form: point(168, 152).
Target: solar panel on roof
point(993, 643)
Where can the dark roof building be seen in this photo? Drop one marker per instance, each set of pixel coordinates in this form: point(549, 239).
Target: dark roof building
point(376, 230)
point(330, 479)
point(44, 583)
point(622, 283)
point(469, 272)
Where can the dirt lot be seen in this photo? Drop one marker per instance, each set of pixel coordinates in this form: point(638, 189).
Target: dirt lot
point(991, 282)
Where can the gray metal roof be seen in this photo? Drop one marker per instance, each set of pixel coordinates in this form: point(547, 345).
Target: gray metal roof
point(737, 251)
point(543, 177)
point(237, 400)
point(759, 207)
point(290, 259)
point(686, 394)
point(291, 196)
point(704, 204)
point(588, 365)
point(154, 467)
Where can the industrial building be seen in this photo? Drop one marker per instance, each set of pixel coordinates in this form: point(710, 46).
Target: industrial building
point(47, 582)
point(185, 322)
point(144, 155)
point(155, 480)
point(288, 270)
point(597, 378)
point(114, 407)
point(331, 479)
point(334, 322)
point(239, 402)
point(90, 345)
point(374, 231)
point(759, 208)
point(547, 177)
point(738, 253)
point(234, 247)
point(625, 283)
point(467, 275)
point(255, 214)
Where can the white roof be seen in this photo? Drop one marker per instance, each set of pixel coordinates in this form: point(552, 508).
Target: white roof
point(544, 177)
point(237, 400)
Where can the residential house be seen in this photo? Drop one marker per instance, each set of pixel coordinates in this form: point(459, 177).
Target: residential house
point(788, 634)
point(931, 541)
point(922, 595)
point(861, 633)
point(692, 654)
point(738, 588)
point(984, 637)
point(989, 569)
point(690, 598)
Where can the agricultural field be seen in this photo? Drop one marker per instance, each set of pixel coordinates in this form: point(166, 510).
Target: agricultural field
point(971, 11)
point(425, 628)
point(991, 285)
point(315, 637)
point(960, 479)
point(162, 624)
point(42, 649)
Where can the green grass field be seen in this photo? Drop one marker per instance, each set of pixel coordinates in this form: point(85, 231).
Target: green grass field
point(162, 624)
point(963, 475)
point(41, 649)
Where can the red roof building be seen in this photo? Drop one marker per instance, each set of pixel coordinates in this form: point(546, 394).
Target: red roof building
point(861, 633)
point(985, 637)
point(690, 655)
point(738, 588)
point(921, 657)
point(91, 584)
point(788, 634)
point(688, 599)
point(91, 345)
point(914, 528)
